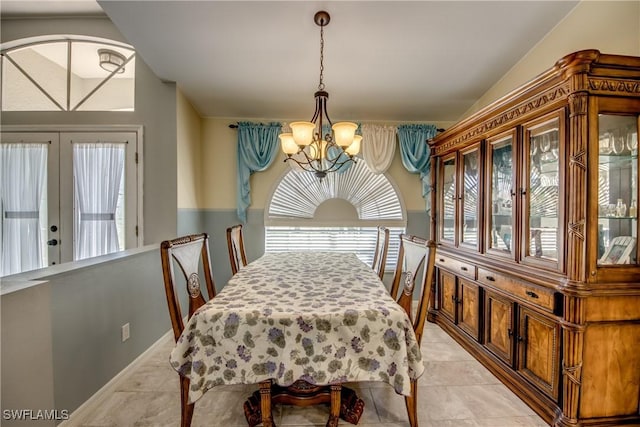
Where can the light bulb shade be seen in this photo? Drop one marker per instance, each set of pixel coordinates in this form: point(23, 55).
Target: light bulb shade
point(354, 148)
point(302, 132)
point(287, 143)
point(343, 133)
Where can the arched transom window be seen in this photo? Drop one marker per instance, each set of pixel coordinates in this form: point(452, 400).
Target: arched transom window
point(67, 73)
point(339, 213)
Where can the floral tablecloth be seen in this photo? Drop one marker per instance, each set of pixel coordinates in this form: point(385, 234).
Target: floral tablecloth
point(318, 316)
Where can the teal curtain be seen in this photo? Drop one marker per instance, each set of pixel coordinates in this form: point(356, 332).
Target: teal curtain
point(414, 152)
point(257, 147)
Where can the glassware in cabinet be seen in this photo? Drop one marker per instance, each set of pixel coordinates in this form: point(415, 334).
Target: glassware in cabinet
point(470, 197)
point(501, 187)
point(448, 200)
point(617, 189)
point(543, 191)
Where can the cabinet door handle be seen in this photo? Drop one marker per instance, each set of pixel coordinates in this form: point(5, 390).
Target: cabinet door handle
point(532, 294)
point(510, 332)
point(521, 339)
point(523, 191)
point(490, 278)
point(464, 268)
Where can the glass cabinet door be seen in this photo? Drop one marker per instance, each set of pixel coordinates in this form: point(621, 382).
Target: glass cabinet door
point(542, 202)
point(617, 190)
point(501, 187)
point(470, 195)
point(448, 199)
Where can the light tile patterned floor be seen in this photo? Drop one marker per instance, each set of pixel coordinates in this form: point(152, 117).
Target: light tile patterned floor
point(455, 391)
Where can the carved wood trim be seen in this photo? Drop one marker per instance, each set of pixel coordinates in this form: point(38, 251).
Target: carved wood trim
point(576, 229)
point(579, 160)
point(615, 86)
point(514, 113)
point(573, 373)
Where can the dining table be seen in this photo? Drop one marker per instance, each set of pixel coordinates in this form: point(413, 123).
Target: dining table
point(302, 322)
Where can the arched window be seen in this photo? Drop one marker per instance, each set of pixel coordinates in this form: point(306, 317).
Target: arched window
point(67, 73)
point(339, 213)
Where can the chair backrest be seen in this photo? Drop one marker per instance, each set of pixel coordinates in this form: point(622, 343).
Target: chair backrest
point(191, 254)
point(380, 254)
point(235, 243)
point(415, 253)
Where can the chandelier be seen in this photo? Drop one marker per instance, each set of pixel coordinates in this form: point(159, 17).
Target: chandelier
point(306, 145)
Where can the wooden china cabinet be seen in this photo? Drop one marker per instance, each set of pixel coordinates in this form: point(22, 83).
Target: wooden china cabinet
point(536, 220)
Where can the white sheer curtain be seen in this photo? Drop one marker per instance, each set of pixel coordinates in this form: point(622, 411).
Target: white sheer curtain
point(98, 173)
point(378, 146)
point(24, 171)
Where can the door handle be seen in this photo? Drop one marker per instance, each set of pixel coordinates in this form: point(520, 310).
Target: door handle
point(52, 242)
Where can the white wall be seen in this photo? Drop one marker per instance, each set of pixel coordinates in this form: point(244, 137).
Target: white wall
point(612, 27)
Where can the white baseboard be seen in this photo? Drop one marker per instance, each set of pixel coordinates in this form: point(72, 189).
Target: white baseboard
point(92, 403)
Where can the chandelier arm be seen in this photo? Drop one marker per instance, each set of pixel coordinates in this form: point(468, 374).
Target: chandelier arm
point(335, 161)
point(337, 166)
point(326, 114)
point(318, 110)
point(306, 166)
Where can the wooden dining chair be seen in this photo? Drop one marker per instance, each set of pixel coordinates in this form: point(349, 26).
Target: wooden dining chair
point(380, 254)
point(416, 259)
point(191, 254)
point(235, 243)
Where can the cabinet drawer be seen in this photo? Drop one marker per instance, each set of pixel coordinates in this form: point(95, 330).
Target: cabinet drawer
point(533, 294)
point(458, 267)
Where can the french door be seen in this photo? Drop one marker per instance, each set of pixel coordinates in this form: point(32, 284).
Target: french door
point(30, 201)
point(84, 203)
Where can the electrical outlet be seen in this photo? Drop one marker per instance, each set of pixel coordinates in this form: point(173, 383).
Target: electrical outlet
point(125, 332)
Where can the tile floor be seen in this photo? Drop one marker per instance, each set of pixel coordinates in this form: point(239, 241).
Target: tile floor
point(455, 391)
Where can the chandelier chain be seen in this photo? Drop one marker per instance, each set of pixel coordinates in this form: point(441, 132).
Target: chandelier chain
point(321, 84)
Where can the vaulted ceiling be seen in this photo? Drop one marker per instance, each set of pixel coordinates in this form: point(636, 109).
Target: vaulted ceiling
point(383, 60)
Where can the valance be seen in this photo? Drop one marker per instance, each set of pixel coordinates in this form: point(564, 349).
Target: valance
point(378, 147)
point(257, 147)
point(414, 152)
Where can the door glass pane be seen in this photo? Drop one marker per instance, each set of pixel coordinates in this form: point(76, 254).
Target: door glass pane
point(23, 188)
point(543, 198)
point(471, 166)
point(618, 190)
point(98, 175)
point(449, 199)
point(502, 187)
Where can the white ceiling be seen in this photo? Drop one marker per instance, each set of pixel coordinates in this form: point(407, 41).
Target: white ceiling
point(383, 60)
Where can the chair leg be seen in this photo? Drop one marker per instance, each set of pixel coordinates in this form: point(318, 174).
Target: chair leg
point(334, 413)
point(186, 408)
point(411, 403)
point(265, 404)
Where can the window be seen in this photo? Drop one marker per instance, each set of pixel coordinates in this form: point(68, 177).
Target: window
point(67, 196)
point(339, 213)
point(67, 73)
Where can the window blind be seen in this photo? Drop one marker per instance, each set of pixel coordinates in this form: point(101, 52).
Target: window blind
point(359, 240)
